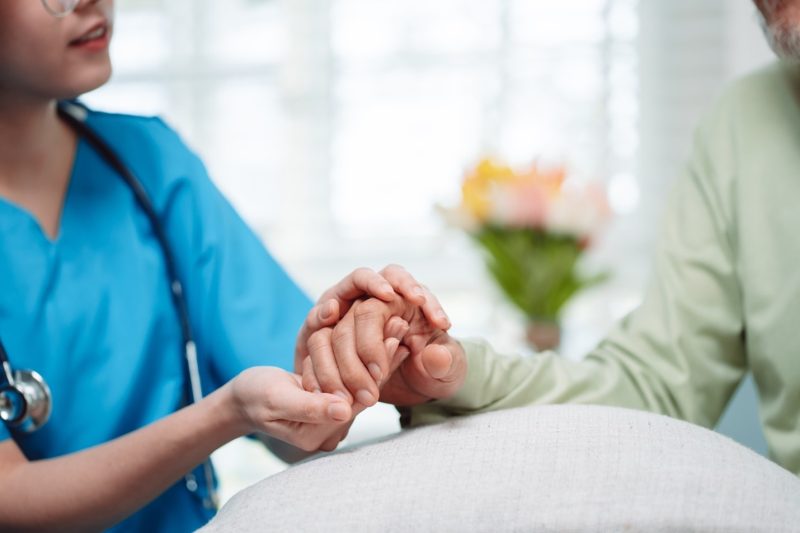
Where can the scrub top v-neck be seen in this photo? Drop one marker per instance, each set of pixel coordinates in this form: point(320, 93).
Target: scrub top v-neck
point(90, 309)
point(13, 214)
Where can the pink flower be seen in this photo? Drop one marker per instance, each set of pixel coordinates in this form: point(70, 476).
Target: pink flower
point(578, 211)
point(521, 204)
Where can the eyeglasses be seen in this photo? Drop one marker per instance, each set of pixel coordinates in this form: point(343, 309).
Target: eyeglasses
point(60, 8)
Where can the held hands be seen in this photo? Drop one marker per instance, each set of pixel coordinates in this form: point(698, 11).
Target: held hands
point(364, 352)
point(388, 285)
point(372, 336)
point(393, 347)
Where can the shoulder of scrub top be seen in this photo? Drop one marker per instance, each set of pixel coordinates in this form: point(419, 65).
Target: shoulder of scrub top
point(154, 151)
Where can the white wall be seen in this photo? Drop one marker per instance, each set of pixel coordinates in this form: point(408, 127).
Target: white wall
point(689, 51)
point(745, 44)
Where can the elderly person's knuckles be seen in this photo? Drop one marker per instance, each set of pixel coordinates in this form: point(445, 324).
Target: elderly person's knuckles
point(319, 340)
point(375, 309)
point(343, 335)
point(329, 380)
point(353, 380)
point(371, 308)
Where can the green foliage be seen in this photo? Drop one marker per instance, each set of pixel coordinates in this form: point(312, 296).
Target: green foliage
point(537, 271)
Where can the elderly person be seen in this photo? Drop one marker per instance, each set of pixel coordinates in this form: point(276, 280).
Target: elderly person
point(724, 300)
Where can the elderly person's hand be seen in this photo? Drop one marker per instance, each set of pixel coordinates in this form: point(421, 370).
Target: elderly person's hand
point(429, 364)
point(392, 285)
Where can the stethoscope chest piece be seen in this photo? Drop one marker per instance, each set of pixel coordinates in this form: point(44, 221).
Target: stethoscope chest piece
point(25, 402)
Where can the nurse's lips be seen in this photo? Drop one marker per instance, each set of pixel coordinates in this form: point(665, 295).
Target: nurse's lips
point(96, 38)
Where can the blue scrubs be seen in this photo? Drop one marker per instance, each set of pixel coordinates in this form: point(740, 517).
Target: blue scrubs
point(91, 310)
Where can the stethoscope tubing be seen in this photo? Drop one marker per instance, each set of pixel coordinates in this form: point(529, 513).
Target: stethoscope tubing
point(74, 115)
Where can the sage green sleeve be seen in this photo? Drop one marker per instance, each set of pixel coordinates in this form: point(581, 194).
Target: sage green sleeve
point(680, 353)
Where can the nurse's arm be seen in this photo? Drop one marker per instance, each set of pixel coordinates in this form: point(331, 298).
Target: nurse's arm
point(93, 489)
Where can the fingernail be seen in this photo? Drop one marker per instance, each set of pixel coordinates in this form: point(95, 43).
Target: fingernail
point(375, 372)
point(417, 291)
point(325, 312)
point(441, 315)
point(365, 398)
point(338, 411)
point(385, 287)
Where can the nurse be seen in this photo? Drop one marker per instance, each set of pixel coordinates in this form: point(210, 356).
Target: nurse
point(85, 301)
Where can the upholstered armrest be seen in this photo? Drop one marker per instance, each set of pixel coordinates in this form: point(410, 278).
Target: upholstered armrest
point(552, 468)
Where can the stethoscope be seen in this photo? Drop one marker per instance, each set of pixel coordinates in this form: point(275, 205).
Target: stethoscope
point(25, 398)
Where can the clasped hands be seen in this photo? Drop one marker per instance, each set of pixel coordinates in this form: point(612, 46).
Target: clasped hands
point(374, 336)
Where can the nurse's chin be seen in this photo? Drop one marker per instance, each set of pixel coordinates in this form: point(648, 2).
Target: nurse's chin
point(90, 78)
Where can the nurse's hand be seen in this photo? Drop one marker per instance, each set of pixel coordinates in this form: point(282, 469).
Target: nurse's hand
point(392, 284)
point(429, 364)
point(272, 401)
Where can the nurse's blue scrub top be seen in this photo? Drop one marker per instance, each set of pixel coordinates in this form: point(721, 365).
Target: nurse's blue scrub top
point(91, 310)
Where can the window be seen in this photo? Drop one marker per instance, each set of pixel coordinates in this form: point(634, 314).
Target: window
point(334, 126)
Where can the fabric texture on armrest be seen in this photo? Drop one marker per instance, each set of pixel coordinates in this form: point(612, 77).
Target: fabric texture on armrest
point(546, 468)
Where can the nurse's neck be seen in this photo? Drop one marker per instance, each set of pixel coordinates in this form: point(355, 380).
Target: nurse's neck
point(36, 155)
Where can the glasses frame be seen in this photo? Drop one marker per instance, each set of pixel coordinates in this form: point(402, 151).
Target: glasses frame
point(61, 14)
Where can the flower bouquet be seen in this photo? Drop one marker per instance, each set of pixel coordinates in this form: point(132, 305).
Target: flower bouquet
point(533, 225)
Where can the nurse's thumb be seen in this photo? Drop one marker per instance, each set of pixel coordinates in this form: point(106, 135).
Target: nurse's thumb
point(316, 408)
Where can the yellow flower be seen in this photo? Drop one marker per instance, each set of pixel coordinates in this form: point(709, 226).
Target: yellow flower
point(479, 183)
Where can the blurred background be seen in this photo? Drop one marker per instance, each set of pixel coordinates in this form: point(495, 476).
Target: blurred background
point(336, 126)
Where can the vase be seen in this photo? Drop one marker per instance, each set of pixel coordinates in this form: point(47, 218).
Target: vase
point(543, 335)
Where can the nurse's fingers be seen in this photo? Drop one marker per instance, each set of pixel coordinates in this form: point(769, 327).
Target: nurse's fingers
point(297, 405)
point(322, 315)
point(332, 442)
point(434, 311)
point(309, 379)
point(417, 294)
point(335, 362)
point(336, 301)
point(404, 284)
point(352, 371)
point(361, 282)
point(324, 366)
